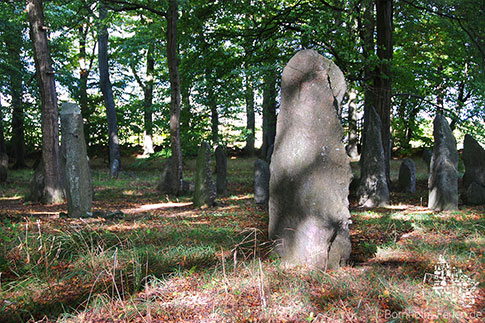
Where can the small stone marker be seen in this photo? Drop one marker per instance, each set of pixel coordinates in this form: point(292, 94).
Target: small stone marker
point(261, 182)
point(221, 171)
point(75, 163)
point(443, 176)
point(310, 170)
point(3, 167)
point(407, 176)
point(474, 178)
point(373, 190)
point(205, 190)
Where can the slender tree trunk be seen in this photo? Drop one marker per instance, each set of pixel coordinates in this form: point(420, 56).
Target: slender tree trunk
point(14, 43)
point(83, 82)
point(269, 112)
point(172, 60)
point(148, 103)
point(3, 148)
point(367, 27)
point(105, 85)
point(212, 102)
point(353, 135)
point(440, 95)
point(382, 82)
point(53, 192)
point(250, 115)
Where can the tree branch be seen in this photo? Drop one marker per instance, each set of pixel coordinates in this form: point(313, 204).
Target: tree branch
point(133, 6)
point(451, 17)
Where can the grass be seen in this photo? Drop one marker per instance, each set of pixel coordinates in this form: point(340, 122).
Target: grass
point(162, 260)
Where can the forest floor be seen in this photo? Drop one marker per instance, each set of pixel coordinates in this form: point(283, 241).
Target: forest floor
point(152, 258)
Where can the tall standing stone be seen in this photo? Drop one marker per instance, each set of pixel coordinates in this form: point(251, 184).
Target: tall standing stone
point(3, 167)
point(75, 163)
point(310, 170)
point(474, 177)
point(407, 176)
point(261, 182)
point(205, 190)
point(373, 190)
point(443, 176)
point(221, 171)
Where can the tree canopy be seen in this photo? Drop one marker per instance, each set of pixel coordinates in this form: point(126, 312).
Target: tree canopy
point(226, 51)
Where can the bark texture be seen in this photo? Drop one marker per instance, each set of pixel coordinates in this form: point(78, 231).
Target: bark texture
point(52, 191)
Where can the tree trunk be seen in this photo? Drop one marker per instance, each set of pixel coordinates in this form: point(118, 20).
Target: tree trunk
point(382, 81)
point(269, 112)
point(105, 85)
point(250, 115)
point(147, 103)
point(53, 192)
point(353, 135)
point(172, 60)
point(83, 81)
point(212, 102)
point(14, 43)
point(3, 148)
point(367, 27)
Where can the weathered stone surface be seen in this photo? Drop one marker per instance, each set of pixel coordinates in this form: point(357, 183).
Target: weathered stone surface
point(261, 182)
point(75, 162)
point(205, 190)
point(373, 190)
point(407, 176)
point(443, 176)
point(427, 154)
point(310, 170)
point(165, 180)
point(474, 177)
point(221, 171)
point(3, 167)
point(474, 194)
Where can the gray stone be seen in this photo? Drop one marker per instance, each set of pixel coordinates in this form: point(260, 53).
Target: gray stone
point(407, 176)
point(310, 170)
point(474, 194)
point(221, 171)
point(427, 154)
point(474, 177)
point(443, 176)
point(3, 167)
point(205, 190)
point(261, 182)
point(373, 190)
point(75, 162)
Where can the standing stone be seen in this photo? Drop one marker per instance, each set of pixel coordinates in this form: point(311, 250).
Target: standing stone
point(3, 167)
point(75, 163)
point(427, 154)
point(407, 176)
point(221, 171)
point(205, 190)
point(373, 190)
point(261, 182)
point(310, 170)
point(443, 176)
point(164, 185)
point(474, 178)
